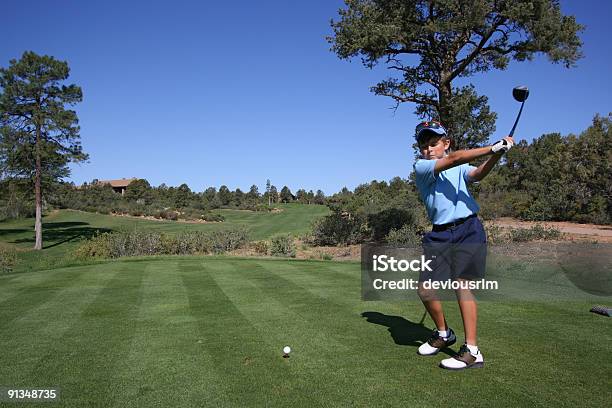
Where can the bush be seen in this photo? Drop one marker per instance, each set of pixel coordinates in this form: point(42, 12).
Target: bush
point(339, 229)
point(326, 257)
point(535, 233)
point(213, 217)
point(263, 207)
point(384, 221)
point(136, 212)
point(228, 239)
point(191, 214)
point(261, 247)
point(406, 235)
point(499, 235)
point(496, 234)
point(167, 215)
point(282, 245)
point(186, 243)
point(8, 259)
point(142, 243)
point(98, 246)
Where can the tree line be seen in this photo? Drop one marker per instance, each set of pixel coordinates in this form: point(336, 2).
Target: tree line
point(140, 198)
point(428, 44)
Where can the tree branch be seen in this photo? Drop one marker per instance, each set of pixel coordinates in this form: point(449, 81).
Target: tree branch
point(467, 60)
point(424, 100)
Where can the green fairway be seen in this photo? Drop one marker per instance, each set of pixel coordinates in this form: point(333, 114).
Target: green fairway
point(62, 230)
point(205, 331)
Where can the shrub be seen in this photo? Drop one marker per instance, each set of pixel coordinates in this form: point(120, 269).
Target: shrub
point(339, 229)
point(282, 245)
point(261, 247)
point(186, 243)
point(189, 214)
point(499, 235)
point(98, 246)
point(141, 243)
point(167, 215)
point(537, 232)
point(326, 257)
point(263, 207)
point(496, 234)
point(213, 217)
point(8, 259)
point(384, 221)
point(406, 235)
point(228, 239)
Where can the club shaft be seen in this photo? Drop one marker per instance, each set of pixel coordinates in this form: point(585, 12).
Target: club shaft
point(517, 119)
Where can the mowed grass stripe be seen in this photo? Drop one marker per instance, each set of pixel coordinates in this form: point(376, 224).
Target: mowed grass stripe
point(558, 348)
point(25, 340)
point(12, 284)
point(366, 354)
point(167, 365)
point(335, 319)
point(266, 312)
point(231, 341)
point(562, 342)
point(84, 360)
point(20, 301)
point(308, 367)
point(338, 283)
point(338, 350)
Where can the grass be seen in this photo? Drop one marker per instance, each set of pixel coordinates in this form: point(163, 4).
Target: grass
point(62, 230)
point(193, 331)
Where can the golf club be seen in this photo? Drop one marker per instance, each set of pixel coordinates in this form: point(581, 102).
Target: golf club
point(520, 93)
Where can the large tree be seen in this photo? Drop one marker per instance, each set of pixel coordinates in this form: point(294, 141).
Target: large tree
point(225, 195)
point(39, 136)
point(429, 44)
point(285, 195)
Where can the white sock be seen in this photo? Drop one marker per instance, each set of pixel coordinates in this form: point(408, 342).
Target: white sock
point(473, 349)
point(443, 333)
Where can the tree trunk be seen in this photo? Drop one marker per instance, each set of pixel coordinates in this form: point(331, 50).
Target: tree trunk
point(445, 110)
point(37, 193)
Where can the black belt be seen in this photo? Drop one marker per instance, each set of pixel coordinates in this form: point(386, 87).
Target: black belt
point(444, 227)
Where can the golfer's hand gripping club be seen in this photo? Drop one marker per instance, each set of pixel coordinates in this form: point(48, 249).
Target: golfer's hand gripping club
point(502, 146)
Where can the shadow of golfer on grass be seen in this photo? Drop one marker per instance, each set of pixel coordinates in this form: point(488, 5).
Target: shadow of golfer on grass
point(404, 332)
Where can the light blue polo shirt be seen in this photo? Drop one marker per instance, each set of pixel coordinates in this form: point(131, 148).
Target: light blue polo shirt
point(446, 196)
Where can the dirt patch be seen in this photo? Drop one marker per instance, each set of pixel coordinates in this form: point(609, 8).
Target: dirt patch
point(347, 253)
point(572, 231)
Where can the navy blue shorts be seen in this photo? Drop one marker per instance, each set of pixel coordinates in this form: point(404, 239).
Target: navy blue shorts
point(459, 252)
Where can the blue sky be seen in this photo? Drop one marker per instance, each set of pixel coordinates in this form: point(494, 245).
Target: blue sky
point(234, 93)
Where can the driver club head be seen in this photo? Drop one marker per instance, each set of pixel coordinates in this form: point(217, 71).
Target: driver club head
point(520, 93)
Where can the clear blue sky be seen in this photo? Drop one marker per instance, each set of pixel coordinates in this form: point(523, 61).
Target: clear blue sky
point(234, 93)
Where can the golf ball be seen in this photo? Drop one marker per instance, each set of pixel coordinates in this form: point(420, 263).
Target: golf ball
point(286, 349)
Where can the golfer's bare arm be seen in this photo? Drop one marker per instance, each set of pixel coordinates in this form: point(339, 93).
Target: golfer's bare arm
point(460, 157)
point(481, 171)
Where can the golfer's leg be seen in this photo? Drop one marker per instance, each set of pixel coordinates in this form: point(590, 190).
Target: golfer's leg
point(469, 315)
point(430, 300)
point(434, 308)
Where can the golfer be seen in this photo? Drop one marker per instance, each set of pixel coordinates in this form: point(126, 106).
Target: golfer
point(457, 242)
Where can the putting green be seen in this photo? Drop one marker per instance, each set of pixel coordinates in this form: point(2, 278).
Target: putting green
point(209, 331)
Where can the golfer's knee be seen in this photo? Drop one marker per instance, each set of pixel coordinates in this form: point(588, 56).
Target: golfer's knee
point(426, 294)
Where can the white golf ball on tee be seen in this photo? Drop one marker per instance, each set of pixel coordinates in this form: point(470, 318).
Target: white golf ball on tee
point(286, 349)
